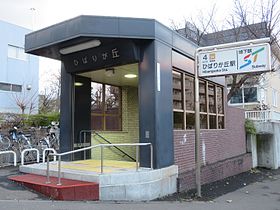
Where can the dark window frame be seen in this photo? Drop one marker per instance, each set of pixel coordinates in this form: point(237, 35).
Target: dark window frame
point(10, 87)
point(218, 113)
point(103, 112)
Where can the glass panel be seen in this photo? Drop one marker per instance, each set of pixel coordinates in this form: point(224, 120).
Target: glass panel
point(5, 86)
point(96, 97)
point(178, 120)
point(112, 99)
point(203, 121)
point(237, 97)
point(190, 120)
point(220, 100)
point(113, 123)
point(189, 91)
point(221, 123)
point(16, 88)
point(96, 122)
point(211, 97)
point(202, 96)
point(12, 51)
point(177, 91)
point(212, 121)
point(250, 95)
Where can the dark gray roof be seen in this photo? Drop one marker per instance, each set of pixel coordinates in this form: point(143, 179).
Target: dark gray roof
point(47, 42)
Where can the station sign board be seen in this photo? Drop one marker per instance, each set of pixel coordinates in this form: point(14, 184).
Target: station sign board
point(236, 60)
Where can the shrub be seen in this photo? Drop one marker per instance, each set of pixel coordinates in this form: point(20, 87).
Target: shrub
point(250, 127)
point(41, 119)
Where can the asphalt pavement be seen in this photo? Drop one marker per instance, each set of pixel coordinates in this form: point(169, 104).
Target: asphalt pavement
point(264, 195)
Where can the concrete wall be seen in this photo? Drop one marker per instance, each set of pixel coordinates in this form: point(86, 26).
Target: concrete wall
point(130, 128)
point(252, 147)
point(265, 150)
point(15, 71)
point(225, 151)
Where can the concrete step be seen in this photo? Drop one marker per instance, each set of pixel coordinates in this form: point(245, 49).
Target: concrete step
point(70, 190)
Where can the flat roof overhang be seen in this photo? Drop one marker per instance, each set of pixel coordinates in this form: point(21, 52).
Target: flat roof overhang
point(48, 41)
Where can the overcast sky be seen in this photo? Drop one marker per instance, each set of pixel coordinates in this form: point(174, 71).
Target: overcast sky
point(36, 14)
point(48, 12)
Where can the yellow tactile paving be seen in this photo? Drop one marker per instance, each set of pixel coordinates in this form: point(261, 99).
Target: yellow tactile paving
point(109, 166)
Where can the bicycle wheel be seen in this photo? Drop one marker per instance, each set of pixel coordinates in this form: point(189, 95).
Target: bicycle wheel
point(29, 156)
point(41, 146)
point(5, 143)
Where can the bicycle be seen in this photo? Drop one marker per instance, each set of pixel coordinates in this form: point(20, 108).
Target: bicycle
point(20, 141)
point(51, 140)
point(5, 143)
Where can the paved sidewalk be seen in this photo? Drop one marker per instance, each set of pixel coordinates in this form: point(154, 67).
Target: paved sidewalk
point(263, 195)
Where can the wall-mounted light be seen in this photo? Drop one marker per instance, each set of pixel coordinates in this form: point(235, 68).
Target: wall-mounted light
point(28, 87)
point(78, 84)
point(130, 76)
point(80, 47)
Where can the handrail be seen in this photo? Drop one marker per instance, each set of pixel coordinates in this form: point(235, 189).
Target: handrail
point(101, 156)
point(48, 149)
point(92, 132)
point(114, 146)
point(15, 155)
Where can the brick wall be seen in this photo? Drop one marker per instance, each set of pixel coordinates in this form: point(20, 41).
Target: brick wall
point(222, 147)
point(130, 129)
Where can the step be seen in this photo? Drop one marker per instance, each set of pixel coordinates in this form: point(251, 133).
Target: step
point(70, 190)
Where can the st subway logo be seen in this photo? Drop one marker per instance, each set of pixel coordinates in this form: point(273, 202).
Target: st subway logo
point(250, 57)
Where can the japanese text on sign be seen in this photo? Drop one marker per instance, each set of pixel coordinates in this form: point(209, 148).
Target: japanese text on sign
point(246, 59)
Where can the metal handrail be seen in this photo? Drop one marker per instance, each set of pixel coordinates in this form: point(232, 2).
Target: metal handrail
point(12, 152)
point(92, 132)
point(101, 156)
point(48, 149)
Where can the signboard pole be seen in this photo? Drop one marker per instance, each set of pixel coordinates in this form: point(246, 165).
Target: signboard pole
point(197, 127)
point(226, 59)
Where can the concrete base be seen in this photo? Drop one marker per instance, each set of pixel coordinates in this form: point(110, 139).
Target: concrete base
point(128, 185)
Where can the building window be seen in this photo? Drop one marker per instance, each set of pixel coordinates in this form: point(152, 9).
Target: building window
point(274, 97)
point(245, 95)
point(105, 107)
point(10, 87)
point(211, 98)
point(17, 53)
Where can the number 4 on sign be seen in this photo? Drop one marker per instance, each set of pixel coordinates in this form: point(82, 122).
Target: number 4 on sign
point(205, 57)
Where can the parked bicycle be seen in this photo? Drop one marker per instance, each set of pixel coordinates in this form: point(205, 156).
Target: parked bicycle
point(51, 140)
point(4, 142)
point(20, 141)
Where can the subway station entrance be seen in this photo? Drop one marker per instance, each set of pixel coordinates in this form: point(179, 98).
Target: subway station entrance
point(117, 88)
point(116, 83)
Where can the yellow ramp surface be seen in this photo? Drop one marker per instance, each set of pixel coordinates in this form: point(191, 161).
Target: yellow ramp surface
point(109, 166)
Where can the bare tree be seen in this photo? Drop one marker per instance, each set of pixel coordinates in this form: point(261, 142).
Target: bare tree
point(25, 100)
point(265, 13)
point(50, 97)
point(248, 20)
point(195, 28)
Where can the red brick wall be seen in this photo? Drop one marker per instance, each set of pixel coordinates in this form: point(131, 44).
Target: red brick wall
point(222, 147)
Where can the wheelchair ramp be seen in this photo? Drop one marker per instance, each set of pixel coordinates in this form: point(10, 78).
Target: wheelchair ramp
point(70, 190)
point(120, 181)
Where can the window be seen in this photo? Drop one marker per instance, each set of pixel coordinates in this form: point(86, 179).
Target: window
point(211, 98)
point(274, 97)
point(177, 91)
point(10, 87)
point(17, 52)
point(245, 95)
point(105, 107)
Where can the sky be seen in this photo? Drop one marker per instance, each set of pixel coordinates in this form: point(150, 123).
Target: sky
point(37, 14)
